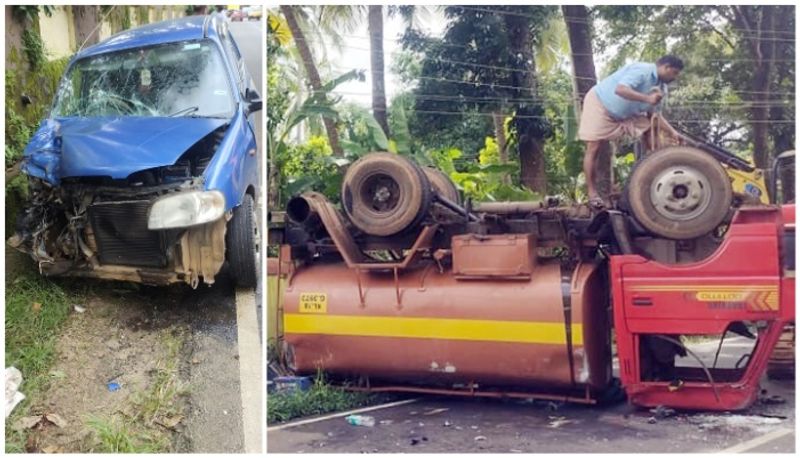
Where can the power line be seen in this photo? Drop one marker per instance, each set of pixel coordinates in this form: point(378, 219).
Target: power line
point(680, 103)
point(533, 91)
point(572, 19)
point(695, 121)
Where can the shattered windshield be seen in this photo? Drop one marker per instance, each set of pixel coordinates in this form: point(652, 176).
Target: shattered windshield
point(177, 79)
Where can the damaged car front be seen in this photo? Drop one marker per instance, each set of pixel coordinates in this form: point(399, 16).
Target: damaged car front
point(146, 169)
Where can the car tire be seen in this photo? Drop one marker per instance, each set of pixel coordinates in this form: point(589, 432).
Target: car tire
point(384, 194)
point(243, 244)
point(442, 184)
point(679, 193)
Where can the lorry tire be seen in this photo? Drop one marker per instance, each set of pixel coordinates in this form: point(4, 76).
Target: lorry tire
point(384, 194)
point(442, 184)
point(242, 244)
point(679, 193)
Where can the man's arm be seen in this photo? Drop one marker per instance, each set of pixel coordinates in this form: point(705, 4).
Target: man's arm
point(627, 93)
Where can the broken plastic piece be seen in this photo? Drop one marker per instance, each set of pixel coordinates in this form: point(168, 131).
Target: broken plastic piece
point(13, 396)
point(360, 420)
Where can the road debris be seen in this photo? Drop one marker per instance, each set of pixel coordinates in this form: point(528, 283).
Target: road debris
point(386, 422)
point(435, 411)
point(652, 420)
point(78, 308)
point(557, 422)
point(13, 396)
point(32, 422)
point(36, 307)
point(170, 422)
point(113, 386)
point(480, 438)
point(292, 383)
point(447, 423)
point(662, 412)
point(772, 400)
point(360, 420)
point(55, 419)
point(756, 423)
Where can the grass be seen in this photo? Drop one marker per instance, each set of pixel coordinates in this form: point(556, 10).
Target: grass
point(112, 435)
point(144, 430)
point(36, 307)
point(320, 398)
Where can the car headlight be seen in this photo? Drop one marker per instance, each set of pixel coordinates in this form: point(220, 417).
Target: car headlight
point(186, 209)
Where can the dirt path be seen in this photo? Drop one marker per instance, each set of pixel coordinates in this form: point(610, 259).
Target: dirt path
point(172, 352)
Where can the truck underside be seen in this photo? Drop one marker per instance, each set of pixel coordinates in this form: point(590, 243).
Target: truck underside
point(527, 299)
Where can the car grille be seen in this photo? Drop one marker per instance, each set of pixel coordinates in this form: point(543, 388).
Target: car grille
point(120, 230)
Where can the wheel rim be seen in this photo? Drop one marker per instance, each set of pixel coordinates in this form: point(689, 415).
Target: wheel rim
point(680, 193)
point(381, 193)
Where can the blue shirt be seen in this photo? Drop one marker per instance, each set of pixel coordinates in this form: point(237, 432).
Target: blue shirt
point(639, 76)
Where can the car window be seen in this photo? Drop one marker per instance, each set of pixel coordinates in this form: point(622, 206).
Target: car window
point(176, 79)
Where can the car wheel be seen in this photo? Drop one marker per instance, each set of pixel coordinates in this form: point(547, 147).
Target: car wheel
point(442, 184)
point(243, 244)
point(384, 194)
point(679, 193)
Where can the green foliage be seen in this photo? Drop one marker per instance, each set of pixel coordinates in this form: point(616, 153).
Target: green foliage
point(320, 398)
point(33, 47)
point(30, 13)
point(482, 181)
point(36, 308)
point(309, 166)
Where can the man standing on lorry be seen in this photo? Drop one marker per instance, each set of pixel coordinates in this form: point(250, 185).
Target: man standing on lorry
point(622, 104)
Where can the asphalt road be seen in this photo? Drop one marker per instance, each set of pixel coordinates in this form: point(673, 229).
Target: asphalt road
point(224, 365)
point(447, 424)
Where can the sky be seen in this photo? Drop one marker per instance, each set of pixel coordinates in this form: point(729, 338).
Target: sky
point(355, 55)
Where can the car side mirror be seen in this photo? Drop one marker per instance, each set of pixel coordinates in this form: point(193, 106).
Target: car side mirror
point(253, 99)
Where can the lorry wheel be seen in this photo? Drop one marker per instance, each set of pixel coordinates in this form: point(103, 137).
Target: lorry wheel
point(242, 244)
point(442, 184)
point(384, 194)
point(679, 193)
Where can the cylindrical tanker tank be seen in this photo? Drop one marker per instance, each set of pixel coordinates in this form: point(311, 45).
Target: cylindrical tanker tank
point(426, 326)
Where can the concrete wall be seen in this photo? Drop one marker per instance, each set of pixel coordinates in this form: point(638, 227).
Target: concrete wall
point(58, 32)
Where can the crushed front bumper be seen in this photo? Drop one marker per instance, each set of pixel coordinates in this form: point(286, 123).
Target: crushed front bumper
point(101, 232)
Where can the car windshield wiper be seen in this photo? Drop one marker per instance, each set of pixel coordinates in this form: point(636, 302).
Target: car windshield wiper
point(185, 111)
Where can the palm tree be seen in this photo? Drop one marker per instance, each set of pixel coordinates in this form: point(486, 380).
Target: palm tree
point(584, 77)
point(375, 21)
point(289, 12)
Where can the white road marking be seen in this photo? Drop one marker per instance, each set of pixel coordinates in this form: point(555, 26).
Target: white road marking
point(250, 373)
point(340, 414)
point(758, 441)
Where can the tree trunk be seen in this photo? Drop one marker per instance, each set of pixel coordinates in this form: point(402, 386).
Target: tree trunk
point(312, 73)
point(530, 147)
point(500, 136)
point(376, 61)
point(86, 30)
point(584, 77)
point(756, 24)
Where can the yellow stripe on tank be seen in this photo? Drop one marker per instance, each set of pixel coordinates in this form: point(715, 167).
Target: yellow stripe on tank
point(433, 328)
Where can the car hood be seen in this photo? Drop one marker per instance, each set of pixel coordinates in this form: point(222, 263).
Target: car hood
point(114, 147)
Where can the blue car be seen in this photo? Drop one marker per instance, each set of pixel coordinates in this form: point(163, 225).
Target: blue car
point(146, 169)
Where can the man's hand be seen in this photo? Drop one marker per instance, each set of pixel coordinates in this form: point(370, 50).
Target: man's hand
point(654, 96)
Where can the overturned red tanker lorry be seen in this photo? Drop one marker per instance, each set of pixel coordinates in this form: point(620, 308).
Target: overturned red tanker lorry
point(404, 287)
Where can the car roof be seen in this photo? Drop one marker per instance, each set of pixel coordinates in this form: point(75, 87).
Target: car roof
point(169, 31)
